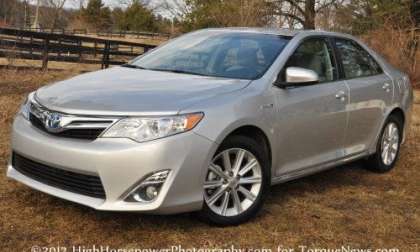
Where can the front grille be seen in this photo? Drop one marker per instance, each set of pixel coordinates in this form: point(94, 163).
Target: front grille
point(66, 180)
point(88, 134)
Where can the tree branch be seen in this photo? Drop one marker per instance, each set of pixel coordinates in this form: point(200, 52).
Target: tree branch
point(296, 5)
point(325, 5)
point(290, 15)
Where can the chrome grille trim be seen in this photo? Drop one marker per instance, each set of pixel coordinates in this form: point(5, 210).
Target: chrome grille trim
point(70, 126)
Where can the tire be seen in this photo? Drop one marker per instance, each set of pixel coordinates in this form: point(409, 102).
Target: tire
point(377, 162)
point(239, 207)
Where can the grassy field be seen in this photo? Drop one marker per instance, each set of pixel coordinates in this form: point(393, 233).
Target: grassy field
point(345, 206)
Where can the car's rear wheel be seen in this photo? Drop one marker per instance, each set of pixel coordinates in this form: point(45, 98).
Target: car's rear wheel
point(388, 146)
point(236, 182)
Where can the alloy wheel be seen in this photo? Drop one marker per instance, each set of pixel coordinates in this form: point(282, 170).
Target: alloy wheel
point(233, 182)
point(390, 143)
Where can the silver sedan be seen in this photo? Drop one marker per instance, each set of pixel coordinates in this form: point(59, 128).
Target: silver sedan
point(208, 121)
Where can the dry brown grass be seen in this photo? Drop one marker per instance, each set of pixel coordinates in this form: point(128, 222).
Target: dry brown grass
point(52, 65)
point(344, 206)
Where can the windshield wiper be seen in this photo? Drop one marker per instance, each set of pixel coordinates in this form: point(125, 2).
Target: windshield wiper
point(161, 70)
point(133, 66)
point(176, 71)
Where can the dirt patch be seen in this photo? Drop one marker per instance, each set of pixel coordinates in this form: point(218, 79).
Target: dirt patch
point(345, 206)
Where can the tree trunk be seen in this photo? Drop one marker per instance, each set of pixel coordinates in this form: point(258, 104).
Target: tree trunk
point(309, 22)
point(415, 12)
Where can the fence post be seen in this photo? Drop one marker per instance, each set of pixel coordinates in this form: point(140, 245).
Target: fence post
point(105, 56)
point(45, 55)
point(79, 45)
point(31, 51)
point(59, 49)
point(95, 46)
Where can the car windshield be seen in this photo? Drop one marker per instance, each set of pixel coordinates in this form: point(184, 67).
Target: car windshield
point(240, 55)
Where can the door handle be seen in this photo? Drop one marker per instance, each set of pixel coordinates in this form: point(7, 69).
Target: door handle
point(267, 106)
point(387, 87)
point(340, 95)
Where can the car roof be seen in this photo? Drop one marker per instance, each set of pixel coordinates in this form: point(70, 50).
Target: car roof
point(278, 31)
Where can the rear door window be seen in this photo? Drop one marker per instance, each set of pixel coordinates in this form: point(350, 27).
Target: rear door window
point(356, 61)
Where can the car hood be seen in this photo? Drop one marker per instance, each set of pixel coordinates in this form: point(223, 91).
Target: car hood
point(126, 91)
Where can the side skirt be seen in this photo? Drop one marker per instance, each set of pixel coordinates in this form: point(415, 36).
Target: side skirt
point(317, 168)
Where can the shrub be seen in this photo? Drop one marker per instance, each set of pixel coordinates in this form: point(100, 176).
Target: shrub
point(399, 46)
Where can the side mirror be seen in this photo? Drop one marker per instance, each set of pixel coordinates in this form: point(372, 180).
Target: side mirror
point(298, 76)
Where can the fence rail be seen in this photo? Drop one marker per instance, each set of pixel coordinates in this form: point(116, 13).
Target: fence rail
point(119, 34)
point(44, 46)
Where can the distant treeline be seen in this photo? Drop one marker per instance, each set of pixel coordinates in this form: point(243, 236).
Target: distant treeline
point(134, 15)
point(352, 16)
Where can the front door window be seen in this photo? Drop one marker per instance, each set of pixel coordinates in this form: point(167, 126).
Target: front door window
point(315, 54)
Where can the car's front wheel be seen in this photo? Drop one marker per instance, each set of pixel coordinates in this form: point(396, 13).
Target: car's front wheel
point(236, 182)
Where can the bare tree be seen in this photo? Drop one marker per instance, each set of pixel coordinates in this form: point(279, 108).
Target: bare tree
point(56, 7)
point(415, 12)
point(175, 8)
point(7, 11)
point(302, 12)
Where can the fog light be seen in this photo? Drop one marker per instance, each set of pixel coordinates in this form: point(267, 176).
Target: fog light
point(151, 192)
point(149, 188)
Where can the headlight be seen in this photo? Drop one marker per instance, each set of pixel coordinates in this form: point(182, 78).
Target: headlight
point(146, 129)
point(25, 108)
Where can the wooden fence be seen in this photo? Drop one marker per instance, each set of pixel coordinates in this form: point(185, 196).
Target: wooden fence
point(134, 34)
point(120, 34)
point(23, 44)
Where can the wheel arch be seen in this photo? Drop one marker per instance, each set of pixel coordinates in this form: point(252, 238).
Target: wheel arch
point(398, 111)
point(255, 133)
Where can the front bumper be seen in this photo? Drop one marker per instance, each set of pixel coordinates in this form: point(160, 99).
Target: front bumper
point(120, 164)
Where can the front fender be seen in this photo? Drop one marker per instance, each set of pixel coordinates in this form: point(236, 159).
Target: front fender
point(226, 113)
